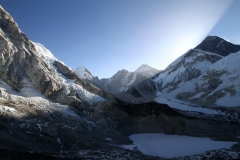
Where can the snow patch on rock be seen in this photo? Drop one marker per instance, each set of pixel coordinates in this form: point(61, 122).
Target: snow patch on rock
point(7, 109)
point(85, 95)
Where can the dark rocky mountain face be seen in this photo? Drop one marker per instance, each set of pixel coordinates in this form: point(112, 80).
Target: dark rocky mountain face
point(217, 45)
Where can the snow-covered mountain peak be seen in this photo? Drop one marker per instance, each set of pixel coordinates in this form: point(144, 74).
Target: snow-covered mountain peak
point(147, 71)
point(143, 67)
point(84, 73)
point(81, 71)
point(189, 56)
point(121, 72)
point(185, 68)
point(193, 57)
point(30, 68)
point(218, 45)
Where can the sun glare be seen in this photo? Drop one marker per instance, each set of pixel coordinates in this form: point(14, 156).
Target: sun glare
point(184, 28)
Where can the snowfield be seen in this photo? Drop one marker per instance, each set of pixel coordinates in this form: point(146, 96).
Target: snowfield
point(231, 78)
point(192, 59)
point(178, 104)
point(170, 146)
point(85, 95)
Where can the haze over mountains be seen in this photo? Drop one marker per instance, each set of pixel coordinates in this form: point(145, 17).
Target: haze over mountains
point(48, 110)
point(134, 86)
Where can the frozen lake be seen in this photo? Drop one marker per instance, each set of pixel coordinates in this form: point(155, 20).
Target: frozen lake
point(169, 146)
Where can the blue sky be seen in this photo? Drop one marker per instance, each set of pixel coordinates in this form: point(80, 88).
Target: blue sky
point(110, 35)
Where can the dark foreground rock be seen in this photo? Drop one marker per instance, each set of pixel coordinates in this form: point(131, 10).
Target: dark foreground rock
point(39, 133)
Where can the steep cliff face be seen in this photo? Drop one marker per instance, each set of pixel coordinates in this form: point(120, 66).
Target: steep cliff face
point(22, 60)
point(19, 59)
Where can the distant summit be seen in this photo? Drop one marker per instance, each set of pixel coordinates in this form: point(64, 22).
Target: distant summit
point(217, 45)
point(84, 73)
point(147, 71)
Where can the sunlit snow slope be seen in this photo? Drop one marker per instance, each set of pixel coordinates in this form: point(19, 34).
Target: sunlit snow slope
point(81, 92)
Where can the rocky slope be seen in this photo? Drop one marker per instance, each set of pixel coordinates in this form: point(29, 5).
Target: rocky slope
point(34, 127)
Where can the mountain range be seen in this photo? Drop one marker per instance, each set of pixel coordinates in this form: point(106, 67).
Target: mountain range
point(202, 77)
point(128, 86)
point(194, 77)
point(50, 111)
